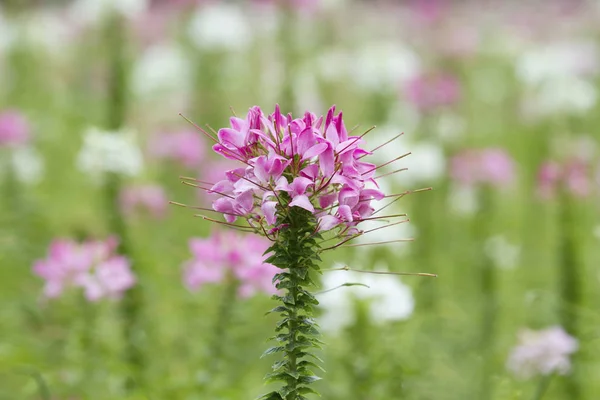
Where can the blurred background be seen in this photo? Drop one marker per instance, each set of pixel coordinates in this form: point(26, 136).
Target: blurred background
point(497, 101)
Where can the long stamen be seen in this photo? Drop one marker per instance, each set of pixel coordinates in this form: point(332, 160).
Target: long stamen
point(386, 226)
point(203, 209)
point(208, 190)
point(391, 173)
point(346, 268)
point(387, 163)
point(399, 196)
point(199, 128)
point(357, 139)
point(378, 243)
point(382, 217)
point(247, 228)
point(380, 146)
point(188, 178)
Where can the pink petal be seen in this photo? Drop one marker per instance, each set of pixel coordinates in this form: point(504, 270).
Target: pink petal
point(328, 222)
point(268, 208)
point(302, 201)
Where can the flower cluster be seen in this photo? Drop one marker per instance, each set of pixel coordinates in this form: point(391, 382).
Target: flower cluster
point(491, 166)
point(92, 266)
point(542, 353)
point(309, 162)
point(14, 129)
point(150, 198)
point(105, 152)
point(574, 175)
point(227, 255)
point(184, 147)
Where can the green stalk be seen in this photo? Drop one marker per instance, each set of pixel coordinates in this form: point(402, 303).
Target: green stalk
point(295, 252)
point(542, 387)
point(116, 111)
point(223, 320)
point(488, 285)
point(571, 283)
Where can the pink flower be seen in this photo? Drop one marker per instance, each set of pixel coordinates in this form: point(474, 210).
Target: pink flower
point(151, 198)
point(14, 129)
point(542, 353)
point(491, 166)
point(574, 175)
point(184, 147)
point(91, 265)
point(428, 92)
point(307, 162)
point(227, 255)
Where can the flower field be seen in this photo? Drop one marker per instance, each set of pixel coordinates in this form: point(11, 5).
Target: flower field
point(412, 188)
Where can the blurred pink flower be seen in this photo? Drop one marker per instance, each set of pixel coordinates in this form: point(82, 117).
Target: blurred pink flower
point(14, 129)
point(184, 147)
point(542, 353)
point(432, 91)
point(150, 198)
point(228, 254)
point(91, 265)
point(575, 176)
point(492, 166)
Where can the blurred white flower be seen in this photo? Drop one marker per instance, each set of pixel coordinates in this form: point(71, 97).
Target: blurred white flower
point(566, 95)
point(109, 152)
point(425, 164)
point(542, 353)
point(462, 200)
point(95, 10)
point(8, 33)
point(27, 164)
point(450, 127)
point(161, 69)
point(597, 232)
point(557, 61)
point(389, 299)
point(502, 253)
point(383, 66)
point(47, 30)
point(219, 26)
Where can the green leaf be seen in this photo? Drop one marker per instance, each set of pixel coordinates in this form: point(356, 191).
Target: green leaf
point(278, 309)
point(309, 379)
point(272, 350)
point(307, 390)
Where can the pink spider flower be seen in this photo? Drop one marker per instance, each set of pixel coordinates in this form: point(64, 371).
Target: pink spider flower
point(14, 129)
point(575, 176)
point(491, 166)
point(149, 198)
point(430, 92)
point(227, 255)
point(310, 162)
point(183, 147)
point(92, 266)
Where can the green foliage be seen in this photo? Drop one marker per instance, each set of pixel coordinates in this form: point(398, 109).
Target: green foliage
point(294, 251)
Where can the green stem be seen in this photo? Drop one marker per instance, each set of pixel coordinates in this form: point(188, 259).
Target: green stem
point(542, 387)
point(222, 323)
point(488, 285)
point(115, 36)
point(295, 252)
point(571, 282)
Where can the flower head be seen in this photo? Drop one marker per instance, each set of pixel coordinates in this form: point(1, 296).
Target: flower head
point(432, 92)
point(310, 162)
point(574, 175)
point(184, 147)
point(492, 166)
point(542, 353)
point(227, 255)
point(91, 265)
point(14, 129)
point(152, 198)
